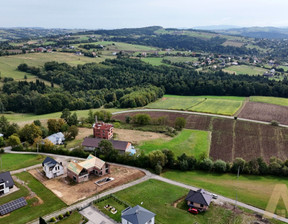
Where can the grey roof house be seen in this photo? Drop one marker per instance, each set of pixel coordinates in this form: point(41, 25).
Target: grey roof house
point(199, 199)
point(57, 138)
point(6, 182)
point(137, 215)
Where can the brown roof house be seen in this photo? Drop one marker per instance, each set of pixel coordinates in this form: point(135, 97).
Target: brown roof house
point(199, 199)
point(80, 172)
point(121, 146)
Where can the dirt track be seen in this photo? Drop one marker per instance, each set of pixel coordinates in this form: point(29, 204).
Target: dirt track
point(62, 187)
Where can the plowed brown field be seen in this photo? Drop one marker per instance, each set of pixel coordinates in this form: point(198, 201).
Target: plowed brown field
point(265, 112)
point(234, 138)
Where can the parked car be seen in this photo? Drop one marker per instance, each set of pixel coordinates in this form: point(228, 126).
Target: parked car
point(214, 196)
point(193, 211)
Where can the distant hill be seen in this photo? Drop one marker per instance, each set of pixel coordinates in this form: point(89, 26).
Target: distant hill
point(258, 32)
point(216, 27)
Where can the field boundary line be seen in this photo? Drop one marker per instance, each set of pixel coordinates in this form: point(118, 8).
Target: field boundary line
point(196, 104)
point(242, 107)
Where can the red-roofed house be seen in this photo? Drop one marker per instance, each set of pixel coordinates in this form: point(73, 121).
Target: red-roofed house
point(102, 130)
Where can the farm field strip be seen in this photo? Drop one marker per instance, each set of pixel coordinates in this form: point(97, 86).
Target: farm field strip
point(245, 69)
point(270, 100)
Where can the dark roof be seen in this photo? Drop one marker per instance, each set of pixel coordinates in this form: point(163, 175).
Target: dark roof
point(94, 142)
point(200, 197)
point(49, 160)
point(6, 177)
point(137, 215)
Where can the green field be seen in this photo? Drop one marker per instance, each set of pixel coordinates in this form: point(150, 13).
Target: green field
point(74, 218)
point(158, 197)
point(190, 142)
point(226, 105)
point(33, 210)
point(270, 100)
point(153, 61)
point(111, 201)
point(245, 69)
point(17, 117)
point(18, 161)
point(181, 59)
point(253, 190)
point(9, 64)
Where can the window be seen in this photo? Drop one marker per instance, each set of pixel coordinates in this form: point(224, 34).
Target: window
point(201, 205)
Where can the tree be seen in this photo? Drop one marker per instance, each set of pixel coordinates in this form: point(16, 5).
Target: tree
point(180, 123)
point(30, 132)
point(206, 164)
point(157, 157)
point(54, 125)
point(219, 166)
point(158, 169)
point(13, 140)
point(238, 162)
point(170, 158)
point(141, 119)
point(2, 142)
point(90, 118)
point(37, 123)
point(72, 132)
point(106, 147)
point(65, 114)
point(73, 119)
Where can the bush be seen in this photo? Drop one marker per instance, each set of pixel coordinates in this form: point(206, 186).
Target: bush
point(53, 219)
point(60, 217)
point(180, 123)
point(219, 166)
point(141, 119)
point(274, 123)
point(206, 164)
point(158, 169)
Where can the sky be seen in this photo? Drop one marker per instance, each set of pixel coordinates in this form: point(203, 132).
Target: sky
point(110, 14)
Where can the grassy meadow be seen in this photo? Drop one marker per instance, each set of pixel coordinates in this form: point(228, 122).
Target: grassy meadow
point(253, 190)
point(74, 218)
point(226, 105)
point(153, 61)
point(18, 161)
point(190, 142)
point(271, 100)
point(245, 69)
point(45, 204)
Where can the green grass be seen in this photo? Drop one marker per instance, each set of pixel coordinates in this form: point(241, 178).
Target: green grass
point(74, 218)
point(9, 64)
point(181, 59)
point(18, 161)
point(158, 197)
point(226, 105)
point(271, 100)
point(191, 142)
point(32, 211)
point(111, 201)
point(153, 61)
point(22, 192)
point(17, 117)
point(245, 69)
point(214, 106)
point(253, 190)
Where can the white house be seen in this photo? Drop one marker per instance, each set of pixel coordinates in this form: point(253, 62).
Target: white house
point(52, 168)
point(57, 138)
point(137, 215)
point(6, 182)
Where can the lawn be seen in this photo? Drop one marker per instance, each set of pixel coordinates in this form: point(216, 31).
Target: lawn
point(111, 201)
point(158, 197)
point(271, 100)
point(153, 61)
point(190, 142)
point(17, 117)
point(9, 64)
point(253, 190)
point(34, 209)
point(226, 105)
point(18, 161)
point(74, 218)
point(245, 69)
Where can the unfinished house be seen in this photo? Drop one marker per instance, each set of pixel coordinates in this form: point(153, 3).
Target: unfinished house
point(80, 172)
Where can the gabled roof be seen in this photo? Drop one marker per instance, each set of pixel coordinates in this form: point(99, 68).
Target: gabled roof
point(50, 161)
point(74, 167)
point(90, 162)
point(94, 142)
point(137, 215)
point(200, 197)
point(6, 177)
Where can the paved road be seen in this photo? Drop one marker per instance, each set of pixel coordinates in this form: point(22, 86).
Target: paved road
point(196, 113)
point(148, 176)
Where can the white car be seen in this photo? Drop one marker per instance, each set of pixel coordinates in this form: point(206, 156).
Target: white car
point(214, 196)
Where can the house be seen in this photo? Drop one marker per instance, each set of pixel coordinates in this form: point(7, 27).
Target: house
point(80, 172)
point(6, 182)
point(122, 147)
point(198, 199)
point(102, 130)
point(57, 138)
point(268, 74)
point(137, 215)
point(52, 168)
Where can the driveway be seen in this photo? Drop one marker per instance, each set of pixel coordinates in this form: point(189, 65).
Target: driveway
point(95, 217)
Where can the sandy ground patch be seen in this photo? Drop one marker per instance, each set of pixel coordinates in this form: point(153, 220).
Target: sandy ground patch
point(84, 132)
point(136, 137)
point(72, 192)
